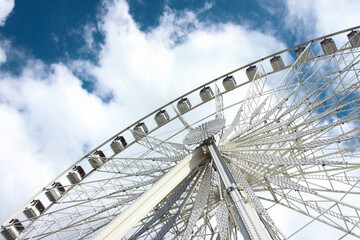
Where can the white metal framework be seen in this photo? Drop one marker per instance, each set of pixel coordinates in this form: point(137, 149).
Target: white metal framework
point(272, 153)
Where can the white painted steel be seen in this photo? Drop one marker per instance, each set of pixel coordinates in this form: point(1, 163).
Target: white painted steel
point(118, 228)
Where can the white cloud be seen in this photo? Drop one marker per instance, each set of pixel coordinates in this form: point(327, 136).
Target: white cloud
point(6, 6)
point(88, 35)
point(174, 57)
point(2, 56)
point(4, 46)
point(23, 173)
point(47, 120)
point(208, 5)
point(321, 17)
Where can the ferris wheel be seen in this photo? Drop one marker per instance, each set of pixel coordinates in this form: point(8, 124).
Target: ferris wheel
point(268, 151)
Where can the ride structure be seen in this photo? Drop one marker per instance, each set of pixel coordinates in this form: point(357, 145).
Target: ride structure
point(230, 159)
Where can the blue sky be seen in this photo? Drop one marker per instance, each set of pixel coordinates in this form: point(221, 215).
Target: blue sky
point(53, 31)
point(74, 72)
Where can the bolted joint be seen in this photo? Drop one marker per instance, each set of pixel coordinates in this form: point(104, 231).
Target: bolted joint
point(230, 189)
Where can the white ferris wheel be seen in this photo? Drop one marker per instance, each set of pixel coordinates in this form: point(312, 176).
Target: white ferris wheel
point(235, 158)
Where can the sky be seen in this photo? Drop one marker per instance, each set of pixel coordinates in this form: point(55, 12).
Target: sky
point(73, 73)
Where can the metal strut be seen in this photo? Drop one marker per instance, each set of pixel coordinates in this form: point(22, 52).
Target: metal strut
point(248, 221)
point(146, 203)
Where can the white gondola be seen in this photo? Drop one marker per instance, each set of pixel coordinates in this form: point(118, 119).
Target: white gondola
point(354, 38)
point(55, 192)
point(76, 175)
point(229, 83)
point(162, 117)
point(97, 159)
point(13, 230)
point(10, 233)
point(328, 46)
point(251, 72)
point(118, 144)
point(206, 94)
point(300, 52)
point(34, 210)
point(277, 63)
point(184, 105)
point(140, 130)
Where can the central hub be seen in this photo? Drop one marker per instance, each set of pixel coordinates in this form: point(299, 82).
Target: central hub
point(204, 131)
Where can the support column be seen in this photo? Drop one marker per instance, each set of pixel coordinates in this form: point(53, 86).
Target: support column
point(128, 219)
point(246, 217)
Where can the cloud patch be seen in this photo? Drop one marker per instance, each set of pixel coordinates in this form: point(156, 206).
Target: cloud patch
point(47, 119)
point(170, 59)
point(2, 56)
point(6, 6)
point(321, 17)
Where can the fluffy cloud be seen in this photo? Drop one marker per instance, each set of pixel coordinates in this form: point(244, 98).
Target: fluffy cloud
point(172, 58)
point(6, 6)
point(321, 17)
point(2, 55)
point(4, 46)
point(23, 173)
point(48, 122)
